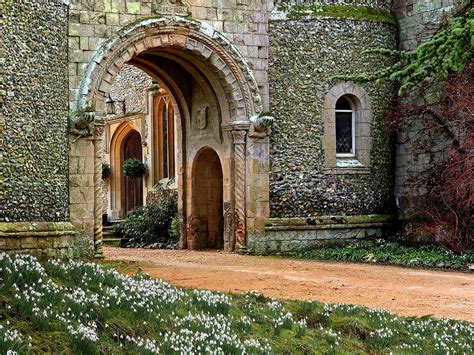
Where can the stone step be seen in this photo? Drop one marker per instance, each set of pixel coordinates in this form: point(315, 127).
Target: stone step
point(112, 242)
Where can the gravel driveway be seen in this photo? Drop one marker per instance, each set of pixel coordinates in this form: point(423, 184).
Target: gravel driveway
point(400, 290)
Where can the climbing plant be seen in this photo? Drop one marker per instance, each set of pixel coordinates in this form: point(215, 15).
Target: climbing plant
point(434, 115)
point(448, 51)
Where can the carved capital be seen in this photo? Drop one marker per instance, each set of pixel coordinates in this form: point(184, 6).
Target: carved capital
point(239, 136)
point(99, 125)
point(238, 129)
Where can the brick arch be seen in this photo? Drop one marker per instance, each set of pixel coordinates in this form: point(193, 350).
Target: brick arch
point(210, 48)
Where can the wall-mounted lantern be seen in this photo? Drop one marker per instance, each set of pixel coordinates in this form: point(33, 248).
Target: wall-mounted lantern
point(110, 105)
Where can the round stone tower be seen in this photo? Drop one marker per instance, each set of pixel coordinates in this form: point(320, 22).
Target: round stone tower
point(331, 161)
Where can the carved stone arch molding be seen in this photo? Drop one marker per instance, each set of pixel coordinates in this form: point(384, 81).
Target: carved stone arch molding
point(247, 160)
point(176, 33)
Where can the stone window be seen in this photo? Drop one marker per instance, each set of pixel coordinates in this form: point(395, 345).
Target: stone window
point(163, 138)
point(347, 140)
point(345, 128)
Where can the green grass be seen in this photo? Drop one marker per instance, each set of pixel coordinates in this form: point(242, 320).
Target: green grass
point(391, 253)
point(86, 308)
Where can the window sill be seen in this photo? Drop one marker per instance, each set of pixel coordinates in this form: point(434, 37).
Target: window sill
point(347, 166)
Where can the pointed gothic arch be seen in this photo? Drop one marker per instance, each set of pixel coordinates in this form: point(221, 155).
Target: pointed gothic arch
point(117, 186)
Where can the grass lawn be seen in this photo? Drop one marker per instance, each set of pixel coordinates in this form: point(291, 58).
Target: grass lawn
point(391, 253)
point(86, 308)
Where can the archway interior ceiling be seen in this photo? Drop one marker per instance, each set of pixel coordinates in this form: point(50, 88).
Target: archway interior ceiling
point(180, 76)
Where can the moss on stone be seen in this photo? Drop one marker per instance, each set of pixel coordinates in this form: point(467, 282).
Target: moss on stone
point(339, 11)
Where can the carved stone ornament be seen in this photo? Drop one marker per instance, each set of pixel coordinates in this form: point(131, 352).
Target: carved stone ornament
point(170, 7)
point(260, 125)
point(202, 117)
point(82, 122)
point(239, 136)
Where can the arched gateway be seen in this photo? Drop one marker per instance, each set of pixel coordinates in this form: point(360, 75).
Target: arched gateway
point(217, 103)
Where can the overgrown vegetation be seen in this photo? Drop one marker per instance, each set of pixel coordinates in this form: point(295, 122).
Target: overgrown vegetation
point(155, 224)
point(435, 116)
point(392, 253)
point(447, 52)
point(83, 308)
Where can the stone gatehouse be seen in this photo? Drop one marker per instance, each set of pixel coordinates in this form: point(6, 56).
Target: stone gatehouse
point(233, 101)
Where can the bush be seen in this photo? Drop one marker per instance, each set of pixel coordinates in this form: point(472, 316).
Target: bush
point(105, 171)
point(390, 252)
point(134, 168)
point(152, 223)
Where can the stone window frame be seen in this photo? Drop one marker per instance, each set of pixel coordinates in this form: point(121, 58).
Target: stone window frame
point(360, 162)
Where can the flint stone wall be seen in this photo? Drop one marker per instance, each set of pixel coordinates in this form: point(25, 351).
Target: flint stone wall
point(130, 84)
point(304, 55)
point(34, 111)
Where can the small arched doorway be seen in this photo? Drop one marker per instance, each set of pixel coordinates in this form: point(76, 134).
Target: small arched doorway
point(207, 200)
point(132, 187)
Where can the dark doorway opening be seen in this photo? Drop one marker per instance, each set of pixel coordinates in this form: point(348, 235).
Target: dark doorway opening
point(207, 194)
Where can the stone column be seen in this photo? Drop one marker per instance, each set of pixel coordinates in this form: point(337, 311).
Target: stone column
point(99, 125)
point(239, 132)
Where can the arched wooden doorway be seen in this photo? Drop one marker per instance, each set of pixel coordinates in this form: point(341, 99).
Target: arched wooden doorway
point(132, 187)
point(208, 200)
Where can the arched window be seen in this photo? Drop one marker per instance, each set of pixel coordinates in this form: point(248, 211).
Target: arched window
point(345, 128)
point(163, 138)
point(347, 138)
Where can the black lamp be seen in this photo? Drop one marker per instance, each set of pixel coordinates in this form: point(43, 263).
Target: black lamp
point(110, 105)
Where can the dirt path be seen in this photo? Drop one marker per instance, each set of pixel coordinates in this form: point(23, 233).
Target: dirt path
point(400, 290)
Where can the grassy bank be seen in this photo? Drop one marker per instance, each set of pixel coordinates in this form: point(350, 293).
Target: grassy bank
point(85, 308)
point(392, 253)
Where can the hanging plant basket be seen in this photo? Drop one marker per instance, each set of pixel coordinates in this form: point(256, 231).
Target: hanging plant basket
point(134, 168)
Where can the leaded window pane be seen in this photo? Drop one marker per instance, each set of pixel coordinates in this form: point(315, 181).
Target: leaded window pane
point(343, 104)
point(165, 140)
point(344, 132)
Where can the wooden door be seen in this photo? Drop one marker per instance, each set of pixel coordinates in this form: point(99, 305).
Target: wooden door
point(133, 187)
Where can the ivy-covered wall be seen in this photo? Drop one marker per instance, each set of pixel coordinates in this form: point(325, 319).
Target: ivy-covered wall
point(34, 111)
point(305, 52)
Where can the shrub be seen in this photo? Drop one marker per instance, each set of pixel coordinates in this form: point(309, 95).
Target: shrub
point(152, 223)
point(134, 168)
point(105, 171)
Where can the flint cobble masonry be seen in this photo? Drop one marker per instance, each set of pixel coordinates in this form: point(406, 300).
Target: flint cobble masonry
point(304, 55)
point(34, 111)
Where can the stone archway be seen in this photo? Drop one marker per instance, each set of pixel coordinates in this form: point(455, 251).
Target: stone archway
point(159, 46)
point(207, 202)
